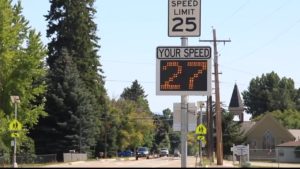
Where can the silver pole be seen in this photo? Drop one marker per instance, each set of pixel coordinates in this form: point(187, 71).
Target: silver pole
point(15, 165)
point(201, 160)
point(184, 122)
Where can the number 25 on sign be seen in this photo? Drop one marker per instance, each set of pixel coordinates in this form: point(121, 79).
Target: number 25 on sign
point(184, 18)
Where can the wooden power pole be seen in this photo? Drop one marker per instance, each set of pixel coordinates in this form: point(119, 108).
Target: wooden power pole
point(219, 141)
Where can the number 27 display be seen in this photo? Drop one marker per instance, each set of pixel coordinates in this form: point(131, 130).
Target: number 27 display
point(183, 76)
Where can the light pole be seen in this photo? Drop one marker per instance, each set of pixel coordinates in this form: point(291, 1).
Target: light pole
point(15, 100)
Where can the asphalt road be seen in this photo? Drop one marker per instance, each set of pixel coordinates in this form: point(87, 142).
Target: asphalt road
point(174, 162)
point(130, 162)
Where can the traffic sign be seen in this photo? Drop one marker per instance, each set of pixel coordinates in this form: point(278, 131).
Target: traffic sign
point(201, 129)
point(15, 135)
point(183, 52)
point(183, 70)
point(202, 139)
point(15, 125)
point(184, 18)
point(192, 118)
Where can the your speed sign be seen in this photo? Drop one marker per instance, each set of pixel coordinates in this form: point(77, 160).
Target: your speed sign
point(184, 18)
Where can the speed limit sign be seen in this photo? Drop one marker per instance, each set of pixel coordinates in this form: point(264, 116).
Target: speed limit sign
point(184, 18)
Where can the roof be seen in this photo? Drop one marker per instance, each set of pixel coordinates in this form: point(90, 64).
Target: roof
point(295, 133)
point(247, 125)
point(236, 100)
point(268, 116)
point(289, 144)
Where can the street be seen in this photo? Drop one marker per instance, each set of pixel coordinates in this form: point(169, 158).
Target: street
point(130, 162)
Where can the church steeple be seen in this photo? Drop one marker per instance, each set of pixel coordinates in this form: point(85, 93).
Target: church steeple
point(236, 105)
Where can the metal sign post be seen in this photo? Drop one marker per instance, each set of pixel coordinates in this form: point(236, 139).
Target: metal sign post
point(183, 77)
point(184, 120)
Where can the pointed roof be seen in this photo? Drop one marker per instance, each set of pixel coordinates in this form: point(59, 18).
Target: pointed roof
point(236, 100)
point(268, 117)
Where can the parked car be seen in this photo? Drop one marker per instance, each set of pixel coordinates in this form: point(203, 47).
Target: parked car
point(176, 153)
point(163, 152)
point(126, 153)
point(142, 152)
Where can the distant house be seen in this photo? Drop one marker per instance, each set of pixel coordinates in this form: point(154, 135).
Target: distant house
point(287, 152)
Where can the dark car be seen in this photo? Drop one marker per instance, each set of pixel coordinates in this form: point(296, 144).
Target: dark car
point(126, 153)
point(142, 152)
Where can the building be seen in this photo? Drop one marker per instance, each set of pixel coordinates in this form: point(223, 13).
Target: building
point(267, 135)
point(236, 105)
point(287, 152)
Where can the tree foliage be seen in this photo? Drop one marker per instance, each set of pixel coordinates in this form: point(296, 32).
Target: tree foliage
point(289, 118)
point(231, 132)
point(76, 98)
point(128, 123)
point(134, 92)
point(22, 72)
point(72, 125)
point(270, 92)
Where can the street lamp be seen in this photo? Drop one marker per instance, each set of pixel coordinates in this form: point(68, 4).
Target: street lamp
point(15, 100)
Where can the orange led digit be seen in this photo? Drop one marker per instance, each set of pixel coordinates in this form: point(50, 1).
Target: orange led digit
point(202, 66)
point(178, 70)
point(183, 75)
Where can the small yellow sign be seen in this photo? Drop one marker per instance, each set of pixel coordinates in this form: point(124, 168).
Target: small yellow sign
point(15, 125)
point(14, 135)
point(201, 138)
point(201, 129)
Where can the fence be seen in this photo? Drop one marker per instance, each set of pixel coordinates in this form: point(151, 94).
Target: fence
point(279, 157)
point(6, 161)
point(263, 154)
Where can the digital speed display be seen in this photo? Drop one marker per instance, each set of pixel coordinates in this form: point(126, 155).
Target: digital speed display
point(184, 70)
point(183, 75)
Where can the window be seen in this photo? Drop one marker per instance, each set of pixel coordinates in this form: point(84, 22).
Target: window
point(281, 152)
point(253, 144)
point(268, 140)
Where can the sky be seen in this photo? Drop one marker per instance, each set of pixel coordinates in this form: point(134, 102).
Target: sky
point(264, 38)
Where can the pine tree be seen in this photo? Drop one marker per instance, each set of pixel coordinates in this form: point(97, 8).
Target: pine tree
point(71, 125)
point(22, 73)
point(232, 133)
point(71, 28)
point(134, 92)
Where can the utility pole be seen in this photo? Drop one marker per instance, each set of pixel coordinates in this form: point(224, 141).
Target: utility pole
point(219, 141)
point(210, 141)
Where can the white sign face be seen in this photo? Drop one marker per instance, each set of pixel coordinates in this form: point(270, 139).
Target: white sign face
point(184, 18)
point(240, 150)
point(192, 118)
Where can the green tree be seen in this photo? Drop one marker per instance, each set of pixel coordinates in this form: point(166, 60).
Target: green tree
point(71, 28)
point(134, 92)
point(134, 126)
point(269, 93)
point(22, 73)
point(231, 132)
point(70, 126)
point(289, 118)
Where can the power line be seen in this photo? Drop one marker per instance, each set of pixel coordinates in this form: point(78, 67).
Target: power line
point(236, 11)
point(268, 43)
point(263, 19)
point(127, 62)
